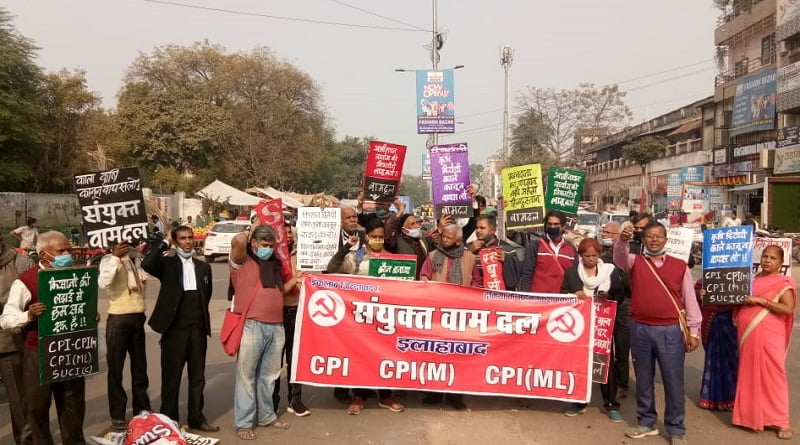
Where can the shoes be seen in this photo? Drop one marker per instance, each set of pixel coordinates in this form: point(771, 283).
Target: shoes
point(298, 409)
point(342, 395)
point(205, 427)
point(621, 393)
point(356, 405)
point(457, 404)
point(614, 415)
point(432, 399)
point(119, 425)
point(391, 404)
point(640, 431)
point(677, 439)
point(575, 409)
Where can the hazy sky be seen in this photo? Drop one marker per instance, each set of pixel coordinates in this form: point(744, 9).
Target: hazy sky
point(557, 44)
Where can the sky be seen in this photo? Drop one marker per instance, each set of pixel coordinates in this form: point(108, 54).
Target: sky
point(659, 52)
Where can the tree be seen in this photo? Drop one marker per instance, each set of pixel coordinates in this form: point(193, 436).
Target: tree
point(528, 134)
point(22, 134)
point(643, 151)
point(416, 189)
point(475, 172)
point(345, 162)
point(554, 116)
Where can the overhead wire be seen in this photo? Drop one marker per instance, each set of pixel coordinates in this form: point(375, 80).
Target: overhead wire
point(277, 17)
point(338, 2)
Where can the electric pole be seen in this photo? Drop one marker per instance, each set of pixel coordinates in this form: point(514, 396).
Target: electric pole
point(506, 58)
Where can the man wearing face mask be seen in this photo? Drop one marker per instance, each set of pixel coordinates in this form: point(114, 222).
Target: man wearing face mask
point(510, 255)
point(639, 221)
point(22, 311)
point(12, 265)
point(661, 285)
point(256, 276)
point(622, 339)
point(547, 259)
point(404, 236)
point(181, 317)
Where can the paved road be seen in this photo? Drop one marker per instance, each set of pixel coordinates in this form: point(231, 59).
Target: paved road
point(491, 419)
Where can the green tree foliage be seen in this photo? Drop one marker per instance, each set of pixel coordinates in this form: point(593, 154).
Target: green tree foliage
point(22, 135)
point(344, 165)
point(528, 135)
point(644, 150)
point(554, 116)
point(416, 189)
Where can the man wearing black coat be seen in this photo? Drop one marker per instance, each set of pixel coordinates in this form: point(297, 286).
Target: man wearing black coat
point(181, 317)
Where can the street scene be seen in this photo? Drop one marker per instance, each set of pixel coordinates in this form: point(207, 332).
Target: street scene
point(341, 221)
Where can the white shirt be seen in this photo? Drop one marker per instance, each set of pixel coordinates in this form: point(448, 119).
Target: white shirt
point(189, 278)
point(28, 235)
point(14, 313)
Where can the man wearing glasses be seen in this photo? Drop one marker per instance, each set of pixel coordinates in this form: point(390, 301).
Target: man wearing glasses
point(661, 285)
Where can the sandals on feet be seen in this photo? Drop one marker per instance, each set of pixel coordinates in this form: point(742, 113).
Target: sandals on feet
point(246, 433)
point(280, 425)
point(785, 434)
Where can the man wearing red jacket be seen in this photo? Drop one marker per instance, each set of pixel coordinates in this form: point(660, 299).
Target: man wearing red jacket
point(547, 259)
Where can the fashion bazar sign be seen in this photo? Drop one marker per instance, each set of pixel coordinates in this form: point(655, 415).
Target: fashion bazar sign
point(378, 333)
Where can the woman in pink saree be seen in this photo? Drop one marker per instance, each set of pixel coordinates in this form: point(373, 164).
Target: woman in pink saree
point(764, 327)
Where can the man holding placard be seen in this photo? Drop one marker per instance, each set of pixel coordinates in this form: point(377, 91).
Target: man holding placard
point(547, 259)
point(22, 311)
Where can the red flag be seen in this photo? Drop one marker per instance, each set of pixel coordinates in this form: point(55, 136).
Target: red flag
point(270, 213)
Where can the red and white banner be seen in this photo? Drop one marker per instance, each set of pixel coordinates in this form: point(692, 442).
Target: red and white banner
point(605, 314)
point(270, 213)
point(377, 333)
point(492, 269)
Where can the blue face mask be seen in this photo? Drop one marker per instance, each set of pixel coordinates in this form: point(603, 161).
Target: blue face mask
point(184, 254)
point(649, 252)
point(264, 253)
point(64, 260)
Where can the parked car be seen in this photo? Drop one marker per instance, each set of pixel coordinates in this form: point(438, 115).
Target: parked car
point(218, 239)
point(587, 223)
point(605, 217)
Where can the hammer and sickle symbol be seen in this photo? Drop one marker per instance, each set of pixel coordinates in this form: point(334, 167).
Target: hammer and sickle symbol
point(567, 326)
point(330, 312)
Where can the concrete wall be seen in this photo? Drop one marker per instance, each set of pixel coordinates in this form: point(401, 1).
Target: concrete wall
point(49, 209)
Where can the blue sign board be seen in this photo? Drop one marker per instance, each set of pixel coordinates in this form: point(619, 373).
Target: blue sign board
point(727, 264)
point(435, 102)
point(754, 103)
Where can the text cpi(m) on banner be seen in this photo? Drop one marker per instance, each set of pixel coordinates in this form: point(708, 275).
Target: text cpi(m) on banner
point(378, 333)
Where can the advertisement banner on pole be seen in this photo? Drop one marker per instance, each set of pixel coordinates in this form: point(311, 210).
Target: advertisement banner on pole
point(450, 171)
point(384, 172)
point(435, 102)
point(727, 264)
point(68, 326)
point(112, 205)
point(318, 236)
point(270, 213)
point(522, 191)
point(363, 332)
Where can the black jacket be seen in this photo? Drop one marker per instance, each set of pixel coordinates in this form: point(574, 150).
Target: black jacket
point(169, 270)
point(572, 283)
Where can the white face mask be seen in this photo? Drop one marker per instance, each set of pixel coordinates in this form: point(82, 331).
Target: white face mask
point(414, 233)
point(607, 241)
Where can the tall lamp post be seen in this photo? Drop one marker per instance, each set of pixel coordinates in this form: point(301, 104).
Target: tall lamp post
point(506, 58)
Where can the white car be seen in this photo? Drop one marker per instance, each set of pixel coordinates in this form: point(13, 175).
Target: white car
point(587, 223)
point(605, 217)
point(218, 239)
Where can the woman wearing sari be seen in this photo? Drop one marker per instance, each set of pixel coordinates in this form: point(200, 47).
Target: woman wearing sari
point(764, 327)
point(722, 355)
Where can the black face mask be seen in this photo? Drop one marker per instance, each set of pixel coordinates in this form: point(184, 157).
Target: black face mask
point(553, 232)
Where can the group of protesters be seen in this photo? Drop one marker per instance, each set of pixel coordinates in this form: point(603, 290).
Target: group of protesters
point(658, 318)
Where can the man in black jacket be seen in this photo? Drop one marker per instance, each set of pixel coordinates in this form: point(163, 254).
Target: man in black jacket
point(181, 317)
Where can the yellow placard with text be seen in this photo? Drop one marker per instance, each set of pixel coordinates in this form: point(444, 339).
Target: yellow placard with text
point(523, 196)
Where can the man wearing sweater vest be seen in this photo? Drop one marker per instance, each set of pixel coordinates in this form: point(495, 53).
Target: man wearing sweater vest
point(547, 259)
point(659, 283)
point(22, 311)
point(124, 284)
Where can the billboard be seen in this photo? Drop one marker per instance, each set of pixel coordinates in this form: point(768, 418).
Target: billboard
point(754, 103)
point(435, 102)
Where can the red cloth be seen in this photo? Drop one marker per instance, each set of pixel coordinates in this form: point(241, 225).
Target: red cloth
point(549, 275)
point(30, 278)
point(267, 305)
point(762, 389)
point(650, 304)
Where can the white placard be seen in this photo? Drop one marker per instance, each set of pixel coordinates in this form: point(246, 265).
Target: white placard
point(679, 242)
point(318, 236)
point(761, 243)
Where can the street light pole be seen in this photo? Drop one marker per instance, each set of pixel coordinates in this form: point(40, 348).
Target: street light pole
point(506, 58)
point(435, 61)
